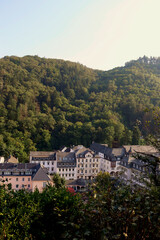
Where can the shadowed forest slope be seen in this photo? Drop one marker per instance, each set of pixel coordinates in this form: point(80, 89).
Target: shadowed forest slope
point(47, 103)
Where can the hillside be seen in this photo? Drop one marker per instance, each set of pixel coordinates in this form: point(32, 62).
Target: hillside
point(47, 103)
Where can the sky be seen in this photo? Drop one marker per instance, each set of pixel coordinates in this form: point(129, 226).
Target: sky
point(101, 34)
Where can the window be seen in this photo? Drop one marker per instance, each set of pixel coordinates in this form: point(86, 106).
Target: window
point(23, 179)
point(86, 165)
point(48, 163)
point(43, 163)
point(86, 160)
point(63, 169)
point(78, 160)
point(16, 179)
point(22, 185)
point(44, 184)
point(17, 186)
point(52, 163)
point(85, 171)
point(59, 169)
point(28, 185)
point(29, 179)
point(72, 175)
point(52, 168)
point(93, 160)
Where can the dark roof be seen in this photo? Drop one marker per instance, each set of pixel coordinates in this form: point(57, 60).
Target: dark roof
point(19, 166)
point(82, 151)
point(107, 151)
point(98, 147)
point(41, 175)
point(35, 170)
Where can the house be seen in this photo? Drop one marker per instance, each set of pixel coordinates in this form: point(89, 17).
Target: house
point(29, 176)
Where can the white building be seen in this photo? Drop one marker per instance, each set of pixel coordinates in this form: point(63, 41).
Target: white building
point(66, 165)
point(46, 159)
point(88, 163)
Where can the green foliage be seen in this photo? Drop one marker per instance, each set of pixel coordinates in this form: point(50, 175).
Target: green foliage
point(58, 181)
point(47, 103)
point(108, 211)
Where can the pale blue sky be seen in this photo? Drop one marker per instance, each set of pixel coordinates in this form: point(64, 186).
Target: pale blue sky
point(100, 34)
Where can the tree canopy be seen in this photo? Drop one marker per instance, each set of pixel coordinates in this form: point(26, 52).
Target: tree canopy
point(48, 103)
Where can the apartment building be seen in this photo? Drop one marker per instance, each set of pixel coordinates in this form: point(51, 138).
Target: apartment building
point(88, 163)
point(66, 164)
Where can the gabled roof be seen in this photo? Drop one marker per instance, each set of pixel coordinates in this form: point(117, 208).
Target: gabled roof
point(82, 151)
point(41, 175)
point(12, 159)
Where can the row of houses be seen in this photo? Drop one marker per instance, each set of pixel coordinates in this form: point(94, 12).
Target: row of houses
point(79, 162)
point(75, 164)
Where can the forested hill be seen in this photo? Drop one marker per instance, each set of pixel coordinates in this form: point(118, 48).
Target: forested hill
point(47, 103)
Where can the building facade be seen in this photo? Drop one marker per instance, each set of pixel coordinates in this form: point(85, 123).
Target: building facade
point(45, 159)
point(29, 176)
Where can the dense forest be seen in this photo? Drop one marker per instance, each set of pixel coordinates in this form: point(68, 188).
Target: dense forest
point(47, 103)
